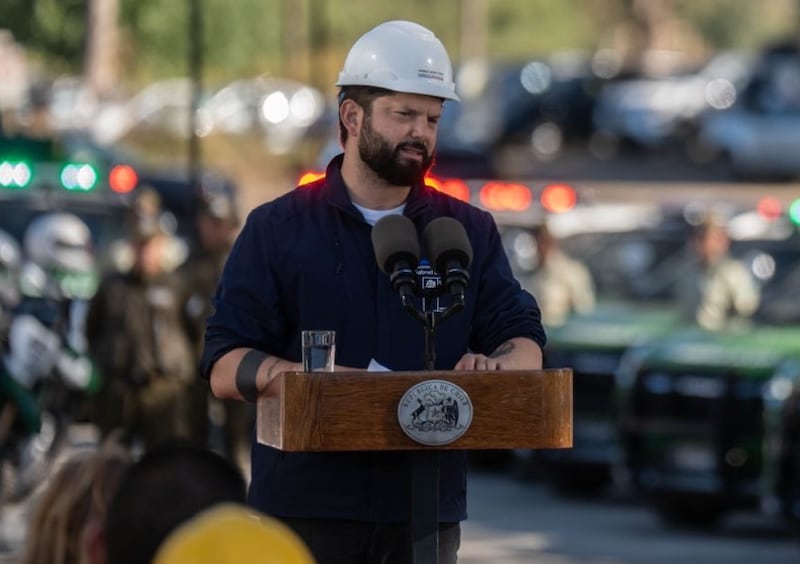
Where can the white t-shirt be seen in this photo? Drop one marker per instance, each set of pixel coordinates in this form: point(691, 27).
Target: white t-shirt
point(372, 216)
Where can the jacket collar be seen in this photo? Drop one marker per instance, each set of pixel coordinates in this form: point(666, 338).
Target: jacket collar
point(336, 192)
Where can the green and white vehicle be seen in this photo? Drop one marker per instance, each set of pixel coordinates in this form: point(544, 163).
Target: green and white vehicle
point(632, 308)
point(781, 475)
point(705, 417)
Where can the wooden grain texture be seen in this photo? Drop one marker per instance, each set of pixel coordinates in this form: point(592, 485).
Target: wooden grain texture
point(358, 410)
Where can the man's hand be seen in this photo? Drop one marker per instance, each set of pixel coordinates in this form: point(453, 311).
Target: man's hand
point(515, 354)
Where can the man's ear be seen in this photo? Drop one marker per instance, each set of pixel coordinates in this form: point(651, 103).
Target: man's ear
point(351, 115)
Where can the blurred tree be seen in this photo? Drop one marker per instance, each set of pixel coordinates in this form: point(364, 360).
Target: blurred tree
point(155, 37)
point(53, 29)
point(102, 41)
point(655, 39)
point(295, 40)
point(309, 38)
point(474, 28)
point(530, 28)
point(737, 24)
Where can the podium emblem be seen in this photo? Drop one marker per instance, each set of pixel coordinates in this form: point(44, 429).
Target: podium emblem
point(435, 412)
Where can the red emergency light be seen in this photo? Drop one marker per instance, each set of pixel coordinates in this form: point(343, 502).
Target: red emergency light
point(452, 186)
point(122, 179)
point(558, 198)
point(505, 196)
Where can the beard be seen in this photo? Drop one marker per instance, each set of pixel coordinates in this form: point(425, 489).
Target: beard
point(387, 162)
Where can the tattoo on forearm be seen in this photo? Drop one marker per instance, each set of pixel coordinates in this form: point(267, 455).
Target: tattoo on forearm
point(503, 349)
point(247, 373)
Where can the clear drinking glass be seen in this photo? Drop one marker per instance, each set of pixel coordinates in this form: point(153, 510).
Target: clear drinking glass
point(319, 350)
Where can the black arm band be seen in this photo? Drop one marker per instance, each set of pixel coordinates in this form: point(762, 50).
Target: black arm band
point(247, 372)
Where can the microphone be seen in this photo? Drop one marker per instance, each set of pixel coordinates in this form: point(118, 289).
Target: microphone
point(396, 245)
point(450, 251)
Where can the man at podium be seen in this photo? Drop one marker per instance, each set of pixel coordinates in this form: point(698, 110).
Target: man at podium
point(306, 260)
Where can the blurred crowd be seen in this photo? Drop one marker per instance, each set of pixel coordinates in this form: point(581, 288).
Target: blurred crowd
point(175, 503)
point(114, 344)
point(709, 286)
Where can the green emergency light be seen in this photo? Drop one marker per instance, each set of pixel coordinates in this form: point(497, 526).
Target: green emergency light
point(794, 212)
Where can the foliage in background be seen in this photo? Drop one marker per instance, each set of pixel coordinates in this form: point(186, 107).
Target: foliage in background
point(307, 39)
point(53, 29)
point(743, 24)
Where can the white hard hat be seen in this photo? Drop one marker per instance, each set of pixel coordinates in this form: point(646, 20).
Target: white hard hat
point(59, 241)
point(400, 56)
point(10, 256)
point(10, 262)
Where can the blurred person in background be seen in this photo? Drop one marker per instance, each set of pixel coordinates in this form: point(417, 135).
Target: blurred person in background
point(10, 263)
point(169, 485)
point(36, 117)
point(216, 225)
point(47, 374)
point(562, 284)
point(715, 289)
point(137, 337)
point(67, 521)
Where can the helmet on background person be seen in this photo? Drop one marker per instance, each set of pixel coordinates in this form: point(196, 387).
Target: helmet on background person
point(148, 226)
point(216, 198)
point(146, 217)
point(400, 56)
point(233, 534)
point(59, 241)
point(59, 258)
point(10, 263)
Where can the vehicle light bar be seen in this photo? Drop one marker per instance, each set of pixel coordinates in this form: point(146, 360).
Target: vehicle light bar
point(15, 174)
point(558, 198)
point(452, 186)
point(505, 196)
point(78, 177)
point(769, 208)
point(122, 179)
point(794, 212)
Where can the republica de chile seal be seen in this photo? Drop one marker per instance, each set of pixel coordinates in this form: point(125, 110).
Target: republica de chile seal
point(434, 412)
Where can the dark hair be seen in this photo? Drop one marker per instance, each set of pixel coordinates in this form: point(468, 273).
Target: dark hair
point(363, 96)
point(169, 485)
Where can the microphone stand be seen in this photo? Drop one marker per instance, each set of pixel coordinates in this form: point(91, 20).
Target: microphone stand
point(425, 463)
point(430, 322)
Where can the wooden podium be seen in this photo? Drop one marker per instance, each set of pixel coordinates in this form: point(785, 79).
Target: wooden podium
point(358, 411)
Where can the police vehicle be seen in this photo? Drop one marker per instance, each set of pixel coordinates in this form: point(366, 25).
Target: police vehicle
point(38, 175)
point(781, 472)
point(706, 417)
point(631, 264)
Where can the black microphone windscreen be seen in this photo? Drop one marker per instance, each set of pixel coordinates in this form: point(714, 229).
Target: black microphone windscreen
point(394, 238)
point(446, 239)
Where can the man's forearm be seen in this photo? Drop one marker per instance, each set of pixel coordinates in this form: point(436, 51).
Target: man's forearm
point(519, 353)
point(247, 373)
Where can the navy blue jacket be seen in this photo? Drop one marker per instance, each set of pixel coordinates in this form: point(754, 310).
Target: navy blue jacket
point(306, 261)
